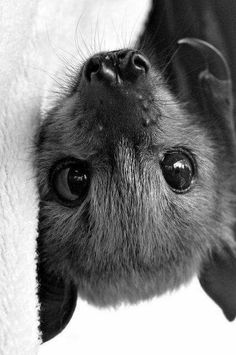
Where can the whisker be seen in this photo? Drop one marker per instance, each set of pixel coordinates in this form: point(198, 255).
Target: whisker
point(56, 80)
point(169, 61)
point(76, 40)
point(118, 36)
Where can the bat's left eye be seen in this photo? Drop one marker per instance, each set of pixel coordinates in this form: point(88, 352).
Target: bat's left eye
point(178, 169)
point(70, 181)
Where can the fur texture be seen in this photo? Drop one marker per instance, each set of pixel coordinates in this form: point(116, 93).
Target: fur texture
point(133, 237)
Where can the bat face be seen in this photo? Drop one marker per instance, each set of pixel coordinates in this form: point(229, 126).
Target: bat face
point(135, 189)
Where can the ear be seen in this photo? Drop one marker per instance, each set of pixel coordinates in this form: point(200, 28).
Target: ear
point(218, 279)
point(57, 300)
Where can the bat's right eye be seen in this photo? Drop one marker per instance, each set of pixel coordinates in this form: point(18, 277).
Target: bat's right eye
point(70, 181)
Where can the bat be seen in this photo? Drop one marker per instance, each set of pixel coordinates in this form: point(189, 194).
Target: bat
point(136, 166)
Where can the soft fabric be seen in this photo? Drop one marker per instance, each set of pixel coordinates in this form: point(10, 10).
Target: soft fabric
point(38, 39)
point(18, 197)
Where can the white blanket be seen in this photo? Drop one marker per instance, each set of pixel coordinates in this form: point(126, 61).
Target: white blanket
point(37, 38)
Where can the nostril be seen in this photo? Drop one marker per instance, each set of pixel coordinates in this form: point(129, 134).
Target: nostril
point(93, 66)
point(140, 62)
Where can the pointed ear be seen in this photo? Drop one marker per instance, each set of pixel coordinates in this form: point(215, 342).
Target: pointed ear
point(218, 279)
point(57, 300)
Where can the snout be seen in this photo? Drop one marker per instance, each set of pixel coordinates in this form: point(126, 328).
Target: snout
point(116, 86)
point(116, 67)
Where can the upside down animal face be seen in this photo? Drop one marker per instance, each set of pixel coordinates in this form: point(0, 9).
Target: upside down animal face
point(135, 189)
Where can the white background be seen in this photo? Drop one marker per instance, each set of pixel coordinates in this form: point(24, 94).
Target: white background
point(182, 323)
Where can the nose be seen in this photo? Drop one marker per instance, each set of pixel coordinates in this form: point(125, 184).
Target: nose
point(116, 67)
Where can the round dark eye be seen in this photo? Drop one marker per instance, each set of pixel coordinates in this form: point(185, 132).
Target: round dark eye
point(178, 170)
point(70, 180)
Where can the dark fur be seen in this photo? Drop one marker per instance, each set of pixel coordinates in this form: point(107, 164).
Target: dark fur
point(133, 237)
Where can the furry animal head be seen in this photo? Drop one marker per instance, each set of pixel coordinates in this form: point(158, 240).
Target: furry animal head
point(136, 187)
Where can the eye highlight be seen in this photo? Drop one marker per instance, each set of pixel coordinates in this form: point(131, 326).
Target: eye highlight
point(178, 169)
point(70, 181)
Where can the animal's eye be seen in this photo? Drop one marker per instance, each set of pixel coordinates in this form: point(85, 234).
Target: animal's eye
point(70, 181)
point(178, 170)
